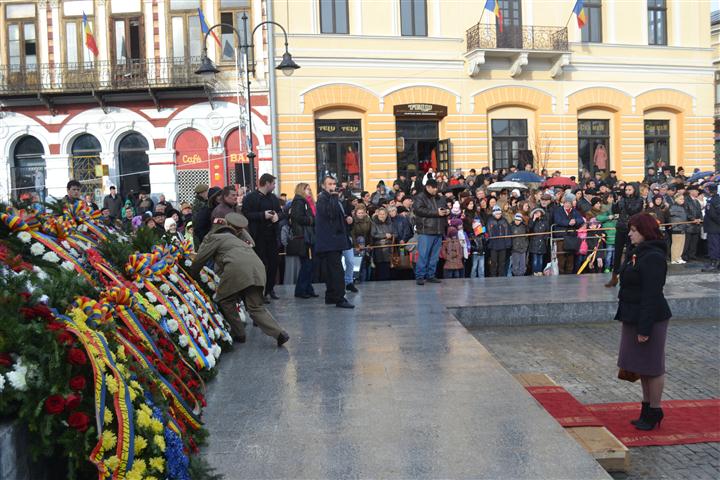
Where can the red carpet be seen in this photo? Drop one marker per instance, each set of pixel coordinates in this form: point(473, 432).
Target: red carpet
point(563, 407)
point(686, 421)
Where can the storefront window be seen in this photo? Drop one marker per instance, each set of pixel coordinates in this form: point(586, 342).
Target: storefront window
point(338, 151)
point(593, 146)
point(417, 146)
point(657, 144)
point(28, 167)
point(509, 137)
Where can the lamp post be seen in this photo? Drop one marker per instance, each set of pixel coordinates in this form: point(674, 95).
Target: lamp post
point(208, 70)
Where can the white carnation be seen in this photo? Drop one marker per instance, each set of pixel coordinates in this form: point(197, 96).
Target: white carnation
point(211, 334)
point(203, 342)
point(218, 333)
point(68, 266)
point(17, 377)
point(2, 382)
point(192, 353)
point(44, 299)
point(184, 309)
point(216, 351)
point(37, 249)
point(151, 298)
point(162, 310)
point(188, 263)
point(65, 244)
point(211, 361)
point(51, 257)
point(82, 228)
point(74, 252)
point(164, 288)
point(40, 273)
point(172, 325)
point(204, 277)
point(183, 340)
point(25, 237)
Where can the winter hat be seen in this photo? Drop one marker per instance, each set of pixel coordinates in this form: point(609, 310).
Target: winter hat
point(456, 208)
point(518, 217)
point(456, 222)
point(534, 210)
point(593, 221)
point(452, 232)
point(546, 196)
point(170, 223)
point(515, 192)
point(496, 209)
point(569, 197)
point(401, 209)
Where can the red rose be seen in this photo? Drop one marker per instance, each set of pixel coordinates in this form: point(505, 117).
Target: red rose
point(6, 360)
point(77, 357)
point(168, 357)
point(66, 338)
point(72, 401)
point(54, 326)
point(77, 383)
point(54, 404)
point(79, 421)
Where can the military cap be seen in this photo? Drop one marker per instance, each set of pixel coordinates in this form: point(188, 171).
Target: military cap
point(201, 188)
point(236, 220)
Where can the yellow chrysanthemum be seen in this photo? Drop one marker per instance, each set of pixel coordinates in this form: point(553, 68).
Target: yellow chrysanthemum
point(140, 444)
point(151, 478)
point(143, 419)
point(157, 464)
point(133, 394)
point(133, 475)
point(139, 466)
point(108, 440)
point(134, 384)
point(121, 353)
point(112, 463)
point(108, 416)
point(146, 409)
point(111, 385)
point(159, 442)
point(156, 425)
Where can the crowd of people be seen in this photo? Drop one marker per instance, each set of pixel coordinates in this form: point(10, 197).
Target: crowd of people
point(438, 226)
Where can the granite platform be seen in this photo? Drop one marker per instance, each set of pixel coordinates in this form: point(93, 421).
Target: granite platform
point(396, 388)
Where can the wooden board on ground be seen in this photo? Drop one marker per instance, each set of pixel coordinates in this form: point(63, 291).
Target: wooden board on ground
point(597, 441)
point(534, 380)
point(603, 446)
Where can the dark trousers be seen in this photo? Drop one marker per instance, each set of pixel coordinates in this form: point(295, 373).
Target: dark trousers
point(621, 241)
point(498, 261)
point(303, 285)
point(691, 246)
point(382, 270)
point(566, 260)
point(255, 306)
point(332, 271)
point(267, 250)
point(713, 241)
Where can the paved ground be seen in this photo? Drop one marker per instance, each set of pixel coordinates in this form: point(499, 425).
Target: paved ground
point(582, 359)
point(388, 390)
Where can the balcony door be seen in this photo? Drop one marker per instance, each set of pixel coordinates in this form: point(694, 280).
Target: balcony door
point(128, 47)
point(511, 35)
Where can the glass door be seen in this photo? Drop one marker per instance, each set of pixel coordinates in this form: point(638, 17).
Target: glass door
point(509, 33)
point(128, 47)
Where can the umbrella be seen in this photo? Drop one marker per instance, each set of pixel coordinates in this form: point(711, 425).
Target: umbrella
point(497, 186)
point(524, 177)
point(559, 182)
point(697, 176)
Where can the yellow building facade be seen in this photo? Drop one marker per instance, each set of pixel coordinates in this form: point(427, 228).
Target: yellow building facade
point(395, 86)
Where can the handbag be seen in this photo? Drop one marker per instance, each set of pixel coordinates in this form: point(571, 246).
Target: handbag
point(297, 247)
point(628, 376)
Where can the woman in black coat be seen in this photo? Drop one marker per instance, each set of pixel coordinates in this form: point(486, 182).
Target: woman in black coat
point(644, 314)
point(302, 227)
point(626, 207)
point(539, 223)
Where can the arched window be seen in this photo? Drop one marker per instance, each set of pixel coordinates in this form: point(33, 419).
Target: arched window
point(28, 167)
point(134, 166)
point(85, 156)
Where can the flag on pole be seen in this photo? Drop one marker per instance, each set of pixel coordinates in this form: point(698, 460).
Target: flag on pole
point(89, 37)
point(494, 7)
point(228, 50)
point(204, 27)
point(579, 11)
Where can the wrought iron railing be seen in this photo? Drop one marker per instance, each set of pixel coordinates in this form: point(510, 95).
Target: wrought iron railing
point(132, 74)
point(488, 36)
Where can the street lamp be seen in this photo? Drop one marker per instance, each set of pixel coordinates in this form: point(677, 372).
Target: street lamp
point(207, 70)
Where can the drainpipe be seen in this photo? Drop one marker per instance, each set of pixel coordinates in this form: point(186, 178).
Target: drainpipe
point(273, 94)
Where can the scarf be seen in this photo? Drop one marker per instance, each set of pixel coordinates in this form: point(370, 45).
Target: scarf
point(311, 203)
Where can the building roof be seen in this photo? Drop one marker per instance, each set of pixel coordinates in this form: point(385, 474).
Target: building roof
point(715, 17)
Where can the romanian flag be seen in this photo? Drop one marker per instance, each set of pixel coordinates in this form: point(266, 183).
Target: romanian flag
point(204, 27)
point(494, 7)
point(89, 37)
point(579, 11)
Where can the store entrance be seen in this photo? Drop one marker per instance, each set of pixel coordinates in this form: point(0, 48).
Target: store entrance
point(417, 146)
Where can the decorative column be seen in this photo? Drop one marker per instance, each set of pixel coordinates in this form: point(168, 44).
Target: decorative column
point(162, 173)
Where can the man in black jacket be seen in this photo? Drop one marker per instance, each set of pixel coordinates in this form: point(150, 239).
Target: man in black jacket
point(262, 209)
point(430, 222)
point(201, 214)
point(331, 239)
point(692, 232)
point(712, 228)
point(114, 203)
point(626, 207)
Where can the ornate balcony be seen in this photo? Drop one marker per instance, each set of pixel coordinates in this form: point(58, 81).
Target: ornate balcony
point(517, 44)
point(46, 82)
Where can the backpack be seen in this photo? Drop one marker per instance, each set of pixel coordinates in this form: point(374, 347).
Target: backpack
point(285, 234)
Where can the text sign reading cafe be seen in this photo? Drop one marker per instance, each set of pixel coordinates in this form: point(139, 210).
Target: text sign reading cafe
point(420, 111)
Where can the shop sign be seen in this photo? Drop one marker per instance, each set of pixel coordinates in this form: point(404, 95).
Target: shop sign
point(337, 129)
point(420, 111)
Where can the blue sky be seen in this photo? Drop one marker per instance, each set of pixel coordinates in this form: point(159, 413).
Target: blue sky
point(715, 5)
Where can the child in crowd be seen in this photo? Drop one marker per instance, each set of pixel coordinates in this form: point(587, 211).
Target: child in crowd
point(608, 222)
point(519, 246)
point(477, 249)
point(452, 252)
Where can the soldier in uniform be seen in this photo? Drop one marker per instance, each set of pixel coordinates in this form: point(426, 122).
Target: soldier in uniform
point(242, 276)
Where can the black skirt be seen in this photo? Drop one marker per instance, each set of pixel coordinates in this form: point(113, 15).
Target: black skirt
point(643, 358)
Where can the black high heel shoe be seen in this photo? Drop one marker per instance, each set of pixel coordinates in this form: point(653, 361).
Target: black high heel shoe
point(654, 417)
point(643, 413)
